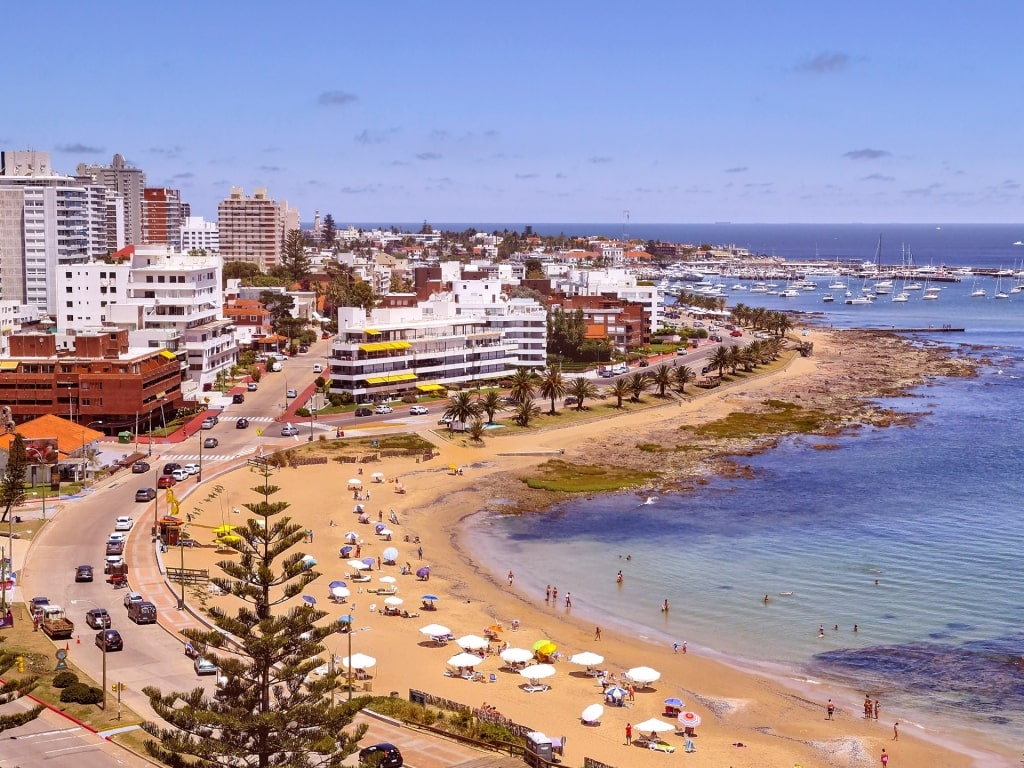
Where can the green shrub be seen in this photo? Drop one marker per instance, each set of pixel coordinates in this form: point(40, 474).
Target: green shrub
point(80, 693)
point(64, 679)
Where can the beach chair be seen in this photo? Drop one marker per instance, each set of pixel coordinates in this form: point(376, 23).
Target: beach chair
point(689, 746)
point(660, 746)
point(493, 678)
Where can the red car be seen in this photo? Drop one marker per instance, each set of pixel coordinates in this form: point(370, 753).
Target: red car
point(166, 481)
point(736, 333)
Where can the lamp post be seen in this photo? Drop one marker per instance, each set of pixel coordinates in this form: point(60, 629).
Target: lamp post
point(199, 474)
point(348, 667)
point(156, 499)
point(181, 573)
point(312, 415)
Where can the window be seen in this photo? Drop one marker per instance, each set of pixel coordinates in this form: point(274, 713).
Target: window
point(69, 304)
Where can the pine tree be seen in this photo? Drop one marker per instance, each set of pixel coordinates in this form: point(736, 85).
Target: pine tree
point(329, 231)
point(294, 260)
point(12, 485)
point(270, 708)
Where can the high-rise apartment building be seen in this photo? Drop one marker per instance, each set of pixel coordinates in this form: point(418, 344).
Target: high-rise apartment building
point(198, 234)
point(253, 229)
point(162, 216)
point(129, 182)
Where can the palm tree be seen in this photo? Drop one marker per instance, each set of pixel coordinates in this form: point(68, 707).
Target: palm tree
point(581, 388)
point(552, 387)
point(637, 384)
point(490, 404)
point(523, 385)
point(619, 389)
point(735, 358)
point(476, 430)
point(720, 359)
point(684, 375)
point(462, 408)
point(525, 412)
point(661, 377)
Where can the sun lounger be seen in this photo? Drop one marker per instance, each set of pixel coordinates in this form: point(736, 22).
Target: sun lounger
point(535, 688)
point(660, 746)
point(690, 746)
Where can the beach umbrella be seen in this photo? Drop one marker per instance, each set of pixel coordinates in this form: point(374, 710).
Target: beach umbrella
point(378, 476)
point(346, 619)
point(369, 561)
point(359, 565)
point(340, 591)
point(309, 599)
point(337, 583)
point(516, 655)
point(387, 579)
point(308, 561)
point(227, 538)
point(379, 527)
point(689, 719)
point(586, 658)
point(674, 702)
point(386, 532)
point(464, 660)
point(389, 555)
point(354, 482)
point(221, 529)
point(654, 725)
point(423, 572)
point(393, 601)
point(537, 671)
point(435, 630)
point(345, 551)
point(615, 692)
point(352, 535)
point(358, 509)
point(643, 675)
point(472, 642)
point(359, 661)
point(592, 713)
point(544, 647)
point(429, 598)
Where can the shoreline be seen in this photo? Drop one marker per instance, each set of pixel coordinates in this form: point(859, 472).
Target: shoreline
point(736, 703)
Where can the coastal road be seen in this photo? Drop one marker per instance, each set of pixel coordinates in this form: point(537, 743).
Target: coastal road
point(54, 741)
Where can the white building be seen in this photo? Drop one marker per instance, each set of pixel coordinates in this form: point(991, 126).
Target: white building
point(614, 282)
point(198, 234)
point(521, 321)
point(415, 350)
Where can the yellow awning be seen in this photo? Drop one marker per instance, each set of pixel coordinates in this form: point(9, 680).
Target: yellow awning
point(9, 365)
point(373, 331)
point(400, 345)
point(168, 354)
point(428, 387)
point(376, 346)
point(392, 379)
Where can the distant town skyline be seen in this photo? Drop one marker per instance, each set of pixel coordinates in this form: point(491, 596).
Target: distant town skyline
point(537, 112)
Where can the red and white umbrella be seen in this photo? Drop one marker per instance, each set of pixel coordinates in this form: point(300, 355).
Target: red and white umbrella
point(689, 719)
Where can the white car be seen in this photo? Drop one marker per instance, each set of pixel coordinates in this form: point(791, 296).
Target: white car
point(179, 475)
point(289, 430)
point(382, 409)
point(291, 393)
point(123, 523)
point(418, 410)
point(116, 538)
point(112, 561)
point(192, 469)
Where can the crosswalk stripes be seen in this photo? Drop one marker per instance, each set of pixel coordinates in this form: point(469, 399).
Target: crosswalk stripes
point(249, 418)
point(196, 457)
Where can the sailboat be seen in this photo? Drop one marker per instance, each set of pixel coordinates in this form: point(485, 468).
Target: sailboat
point(1000, 293)
point(976, 292)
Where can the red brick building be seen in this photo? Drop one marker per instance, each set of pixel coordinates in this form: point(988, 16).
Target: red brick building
point(100, 380)
point(624, 323)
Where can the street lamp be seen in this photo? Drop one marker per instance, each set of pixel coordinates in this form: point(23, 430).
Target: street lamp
point(199, 474)
point(348, 668)
point(181, 573)
point(156, 499)
point(312, 415)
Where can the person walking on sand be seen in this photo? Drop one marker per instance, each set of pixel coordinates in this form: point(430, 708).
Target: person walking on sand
point(554, 594)
point(830, 710)
point(547, 593)
point(568, 599)
point(875, 709)
point(895, 731)
point(629, 733)
point(511, 577)
point(597, 633)
point(885, 758)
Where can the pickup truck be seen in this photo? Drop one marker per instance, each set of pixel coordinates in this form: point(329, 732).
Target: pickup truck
point(56, 624)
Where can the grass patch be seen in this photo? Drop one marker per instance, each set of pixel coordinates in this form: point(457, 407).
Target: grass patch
point(780, 418)
point(561, 476)
point(650, 447)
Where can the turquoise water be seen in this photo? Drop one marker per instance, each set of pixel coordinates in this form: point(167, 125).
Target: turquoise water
point(930, 511)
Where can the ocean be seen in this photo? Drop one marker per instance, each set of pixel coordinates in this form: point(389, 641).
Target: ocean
point(911, 533)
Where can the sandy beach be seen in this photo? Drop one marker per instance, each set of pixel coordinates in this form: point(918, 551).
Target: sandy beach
point(748, 718)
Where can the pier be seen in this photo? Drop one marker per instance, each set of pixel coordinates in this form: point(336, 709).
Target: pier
point(929, 329)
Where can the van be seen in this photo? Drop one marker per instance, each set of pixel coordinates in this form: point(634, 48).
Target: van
point(275, 366)
point(318, 368)
point(143, 612)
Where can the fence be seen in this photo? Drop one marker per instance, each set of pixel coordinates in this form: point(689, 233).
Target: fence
point(188, 575)
point(306, 460)
point(429, 699)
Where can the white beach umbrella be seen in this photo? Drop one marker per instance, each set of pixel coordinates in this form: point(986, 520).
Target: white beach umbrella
point(516, 655)
point(592, 713)
point(359, 565)
point(472, 642)
point(340, 591)
point(378, 476)
point(354, 482)
point(434, 630)
point(586, 658)
point(393, 600)
point(537, 671)
point(653, 725)
point(385, 532)
point(643, 675)
point(359, 661)
point(464, 660)
point(387, 579)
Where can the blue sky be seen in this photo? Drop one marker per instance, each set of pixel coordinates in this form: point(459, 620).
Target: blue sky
point(537, 112)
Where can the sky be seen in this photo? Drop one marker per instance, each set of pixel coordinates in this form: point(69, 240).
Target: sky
point(537, 112)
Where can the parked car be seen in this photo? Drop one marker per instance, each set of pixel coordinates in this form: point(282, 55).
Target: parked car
point(209, 423)
point(289, 430)
point(109, 640)
point(145, 494)
point(303, 349)
point(384, 755)
point(736, 333)
point(117, 537)
point(132, 597)
point(166, 481)
point(112, 561)
point(179, 474)
point(97, 618)
point(238, 398)
point(170, 466)
point(192, 468)
point(114, 548)
point(211, 442)
point(123, 523)
point(142, 612)
point(363, 412)
point(140, 467)
point(278, 356)
point(418, 410)
point(252, 386)
point(291, 393)
point(204, 666)
point(383, 409)
point(242, 423)
point(83, 573)
point(318, 368)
